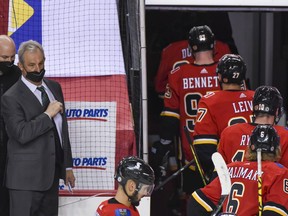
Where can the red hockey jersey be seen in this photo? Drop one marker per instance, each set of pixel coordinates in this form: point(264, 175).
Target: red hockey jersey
point(179, 51)
point(243, 198)
point(235, 140)
point(218, 110)
point(187, 84)
point(112, 207)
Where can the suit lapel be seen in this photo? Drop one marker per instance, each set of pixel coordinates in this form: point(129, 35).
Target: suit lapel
point(53, 89)
point(24, 93)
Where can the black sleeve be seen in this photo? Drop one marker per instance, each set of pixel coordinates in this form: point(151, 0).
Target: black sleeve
point(195, 208)
point(204, 152)
point(169, 127)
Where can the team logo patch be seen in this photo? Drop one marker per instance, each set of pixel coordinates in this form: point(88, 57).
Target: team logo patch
point(122, 212)
point(202, 37)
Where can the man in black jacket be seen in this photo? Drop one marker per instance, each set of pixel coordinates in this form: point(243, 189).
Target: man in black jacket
point(38, 150)
point(9, 74)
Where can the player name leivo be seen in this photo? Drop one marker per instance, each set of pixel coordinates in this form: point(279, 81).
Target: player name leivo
point(200, 82)
point(242, 106)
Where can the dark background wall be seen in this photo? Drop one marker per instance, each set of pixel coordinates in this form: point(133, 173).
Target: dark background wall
point(260, 37)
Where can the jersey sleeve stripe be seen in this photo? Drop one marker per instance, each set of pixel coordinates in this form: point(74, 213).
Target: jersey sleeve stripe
point(201, 202)
point(179, 63)
point(205, 141)
point(274, 209)
point(170, 114)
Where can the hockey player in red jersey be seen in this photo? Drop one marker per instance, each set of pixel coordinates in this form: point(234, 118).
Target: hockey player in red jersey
point(267, 109)
point(243, 197)
point(187, 84)
point(217, 110)
point(136, 180)
point(178, 53)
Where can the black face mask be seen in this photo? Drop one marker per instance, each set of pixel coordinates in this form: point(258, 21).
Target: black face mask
point(35, 76)
point(6, 67)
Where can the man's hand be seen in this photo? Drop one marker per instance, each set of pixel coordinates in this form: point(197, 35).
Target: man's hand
point(54, 108)
point(70, 178)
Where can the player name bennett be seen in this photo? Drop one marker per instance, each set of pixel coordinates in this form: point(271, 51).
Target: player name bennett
point(200, 82)
point(242, 106)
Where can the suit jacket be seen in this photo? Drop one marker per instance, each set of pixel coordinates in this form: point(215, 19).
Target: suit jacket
point(31, 148)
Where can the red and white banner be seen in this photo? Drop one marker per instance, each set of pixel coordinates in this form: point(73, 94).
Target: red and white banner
point(101, 129)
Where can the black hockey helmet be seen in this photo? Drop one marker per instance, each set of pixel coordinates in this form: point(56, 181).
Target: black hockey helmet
point(136, 169)
point(201, 38)
point(264, 137)
point(267, 99)
point(233, 68)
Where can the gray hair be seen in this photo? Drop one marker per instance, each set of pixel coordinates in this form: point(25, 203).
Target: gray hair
point(30, 46)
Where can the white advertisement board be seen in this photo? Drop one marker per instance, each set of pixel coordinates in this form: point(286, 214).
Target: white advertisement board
point(92, 130)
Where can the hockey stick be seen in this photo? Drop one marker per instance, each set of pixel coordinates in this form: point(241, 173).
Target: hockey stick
point(259, 180)
point(174, 175)
point(224, 178)
point(202, 174)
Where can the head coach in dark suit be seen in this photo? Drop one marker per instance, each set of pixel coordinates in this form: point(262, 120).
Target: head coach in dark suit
point(38, 151)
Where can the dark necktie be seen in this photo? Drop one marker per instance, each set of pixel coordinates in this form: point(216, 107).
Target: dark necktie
point(58, 148)
point(44, 97)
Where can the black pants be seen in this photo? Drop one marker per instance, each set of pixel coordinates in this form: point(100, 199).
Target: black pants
point(4, 194)
point(36, 203)
point(4, 201)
